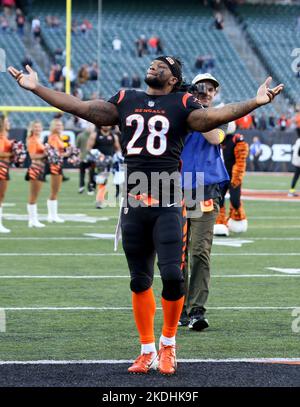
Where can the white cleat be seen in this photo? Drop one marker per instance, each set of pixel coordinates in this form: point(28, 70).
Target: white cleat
point(221, 230)
point(35, 224)
point(4, 230)
point(238, 226)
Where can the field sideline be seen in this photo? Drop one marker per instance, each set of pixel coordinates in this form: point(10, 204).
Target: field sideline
point(65, 293)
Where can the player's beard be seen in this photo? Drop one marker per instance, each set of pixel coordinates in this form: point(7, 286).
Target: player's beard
point(154, 82)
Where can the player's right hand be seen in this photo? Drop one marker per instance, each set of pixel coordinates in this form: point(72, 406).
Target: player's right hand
point(29, 81)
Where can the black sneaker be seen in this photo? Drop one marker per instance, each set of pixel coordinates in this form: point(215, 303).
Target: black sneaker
point(184, 319)
point(198, 322)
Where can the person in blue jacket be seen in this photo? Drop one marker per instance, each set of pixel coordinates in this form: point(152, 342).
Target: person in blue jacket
point(200, 157)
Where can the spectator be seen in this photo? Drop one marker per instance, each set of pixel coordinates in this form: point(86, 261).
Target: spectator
point(88, 24)
point(74, 27)
point(4, 24)
point(8, 7)
point(159, 46)
point(85, 26)
point(117, 44)
point(72, 75)
point(27, 61)
point(36, 28)
point(282, 122)
point(20, 22)
point(136, 82)
point(262, 122)
point(272, 123)
point(56, 77)
point(152, 42)
point(52, 21)
point(199, 63)
point(219, 21)
point(245, 122)
point(125, 81)
point(255, 153)
point(83, 74)
point(155, 45)
point(141, 46)
point(254, 121)
point(94, 72)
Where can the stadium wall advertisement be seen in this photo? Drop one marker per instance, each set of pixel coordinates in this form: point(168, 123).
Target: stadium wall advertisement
point(277, 147)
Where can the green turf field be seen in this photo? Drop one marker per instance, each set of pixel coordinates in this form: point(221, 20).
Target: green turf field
point(240, 282)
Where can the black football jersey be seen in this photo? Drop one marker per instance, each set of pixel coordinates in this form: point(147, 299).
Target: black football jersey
point(153, 129)
point(105, 144)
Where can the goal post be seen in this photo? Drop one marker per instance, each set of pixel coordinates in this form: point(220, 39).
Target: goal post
point(50, 109)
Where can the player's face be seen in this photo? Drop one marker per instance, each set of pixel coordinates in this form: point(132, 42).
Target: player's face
point(37, 129)
point(158, 75)
point(206, 92)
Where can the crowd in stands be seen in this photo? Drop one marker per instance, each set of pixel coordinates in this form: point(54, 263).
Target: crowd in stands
point(261, 121)
point(134, 83)
point(152, 45)
point(12, 19)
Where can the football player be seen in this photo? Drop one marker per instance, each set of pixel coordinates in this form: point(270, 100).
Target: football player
point(153, 124)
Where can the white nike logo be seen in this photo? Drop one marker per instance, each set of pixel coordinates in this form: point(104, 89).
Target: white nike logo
point(172, 204)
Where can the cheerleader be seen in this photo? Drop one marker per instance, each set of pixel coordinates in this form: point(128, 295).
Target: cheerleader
point(5, 158)
point(56, 154)
point(37, 153)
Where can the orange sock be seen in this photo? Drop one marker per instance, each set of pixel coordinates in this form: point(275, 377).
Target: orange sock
point(144, 311)
point(101, 193)
point(171, 311)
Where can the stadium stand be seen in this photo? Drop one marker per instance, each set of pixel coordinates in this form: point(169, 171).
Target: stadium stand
point(12, 95)
point(274, 32)
point(186, 31)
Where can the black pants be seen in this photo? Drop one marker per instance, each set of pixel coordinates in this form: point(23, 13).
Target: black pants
point(235, 196)
point(295, 177)
point(150, 230)
point(83, 166)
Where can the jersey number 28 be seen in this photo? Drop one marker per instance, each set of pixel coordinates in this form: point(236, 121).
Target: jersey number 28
point(161, 146)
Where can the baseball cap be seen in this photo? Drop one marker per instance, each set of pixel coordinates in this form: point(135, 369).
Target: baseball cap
point(205, 77)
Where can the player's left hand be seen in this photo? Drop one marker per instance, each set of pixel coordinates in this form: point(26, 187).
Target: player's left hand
point(265, 94)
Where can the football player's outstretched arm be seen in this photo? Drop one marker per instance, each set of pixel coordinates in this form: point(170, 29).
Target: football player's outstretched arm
point(96, 111)
point(205, 120)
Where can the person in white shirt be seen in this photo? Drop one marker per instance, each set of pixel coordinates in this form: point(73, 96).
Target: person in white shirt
point(117, 44)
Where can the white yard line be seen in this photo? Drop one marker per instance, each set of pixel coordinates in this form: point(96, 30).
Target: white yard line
point(123, 361)
point(59, 254)
point(90, 237)
point(49, 238)
point(122, 254)
point(130, 308)
point(102, 277)
point(273, 217)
